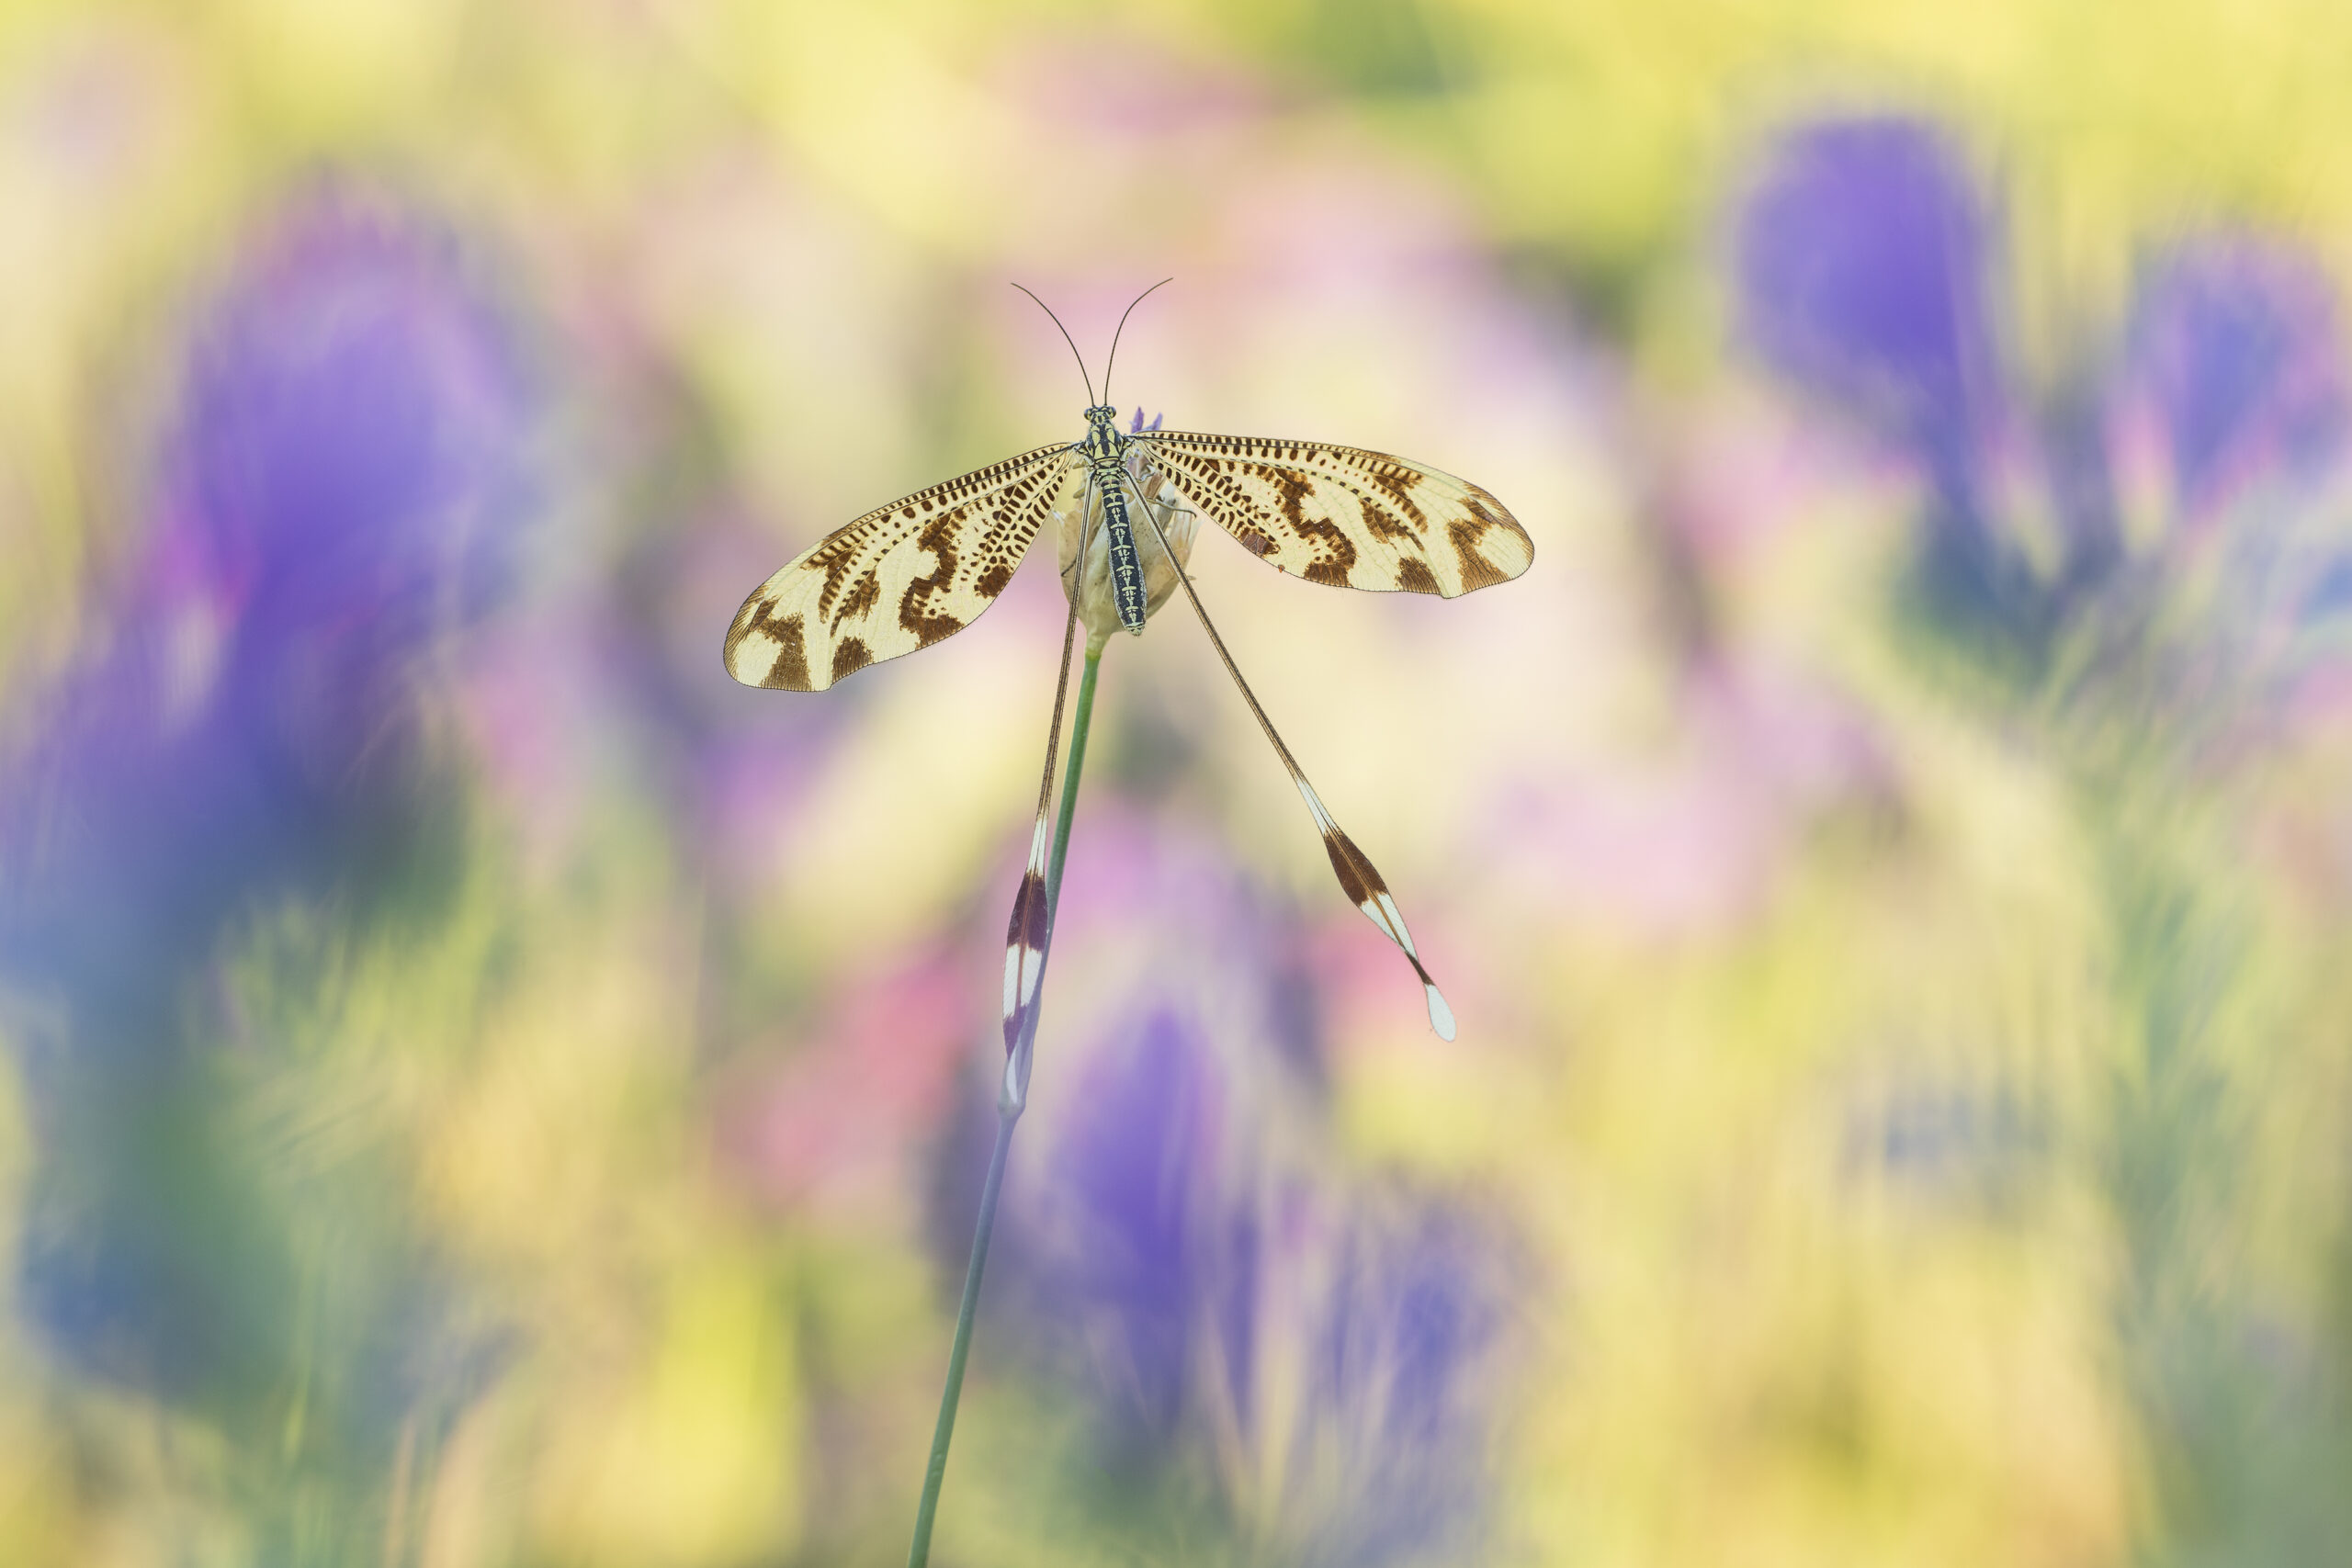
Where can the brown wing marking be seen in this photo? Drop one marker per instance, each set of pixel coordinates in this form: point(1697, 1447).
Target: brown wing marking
point(850, 656)
point(916, 611)
point(790, 667)
point(862, 594)
point(1344, 516)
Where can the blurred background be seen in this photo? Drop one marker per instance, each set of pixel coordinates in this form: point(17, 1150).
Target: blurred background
point(481, 1088)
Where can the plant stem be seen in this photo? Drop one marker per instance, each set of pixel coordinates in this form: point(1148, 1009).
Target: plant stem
point(1069, 790)
point(1008, 1115)
point(919, 1553)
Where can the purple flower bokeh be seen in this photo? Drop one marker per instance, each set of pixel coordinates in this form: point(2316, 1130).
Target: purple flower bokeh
point(1861, 261)
point(1198, 1273)
point(1152, 1254)
point(1302, 1350)
point(2233, 347)
point(351, 442)
point(350, 455)
point(2227, 409)
point(1866, 278)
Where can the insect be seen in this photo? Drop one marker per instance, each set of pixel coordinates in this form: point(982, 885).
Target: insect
point(924, 567)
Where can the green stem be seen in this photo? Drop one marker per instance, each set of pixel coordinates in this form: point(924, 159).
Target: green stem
point(919, 1553)
point(1008, 1115)
point(1069, 793)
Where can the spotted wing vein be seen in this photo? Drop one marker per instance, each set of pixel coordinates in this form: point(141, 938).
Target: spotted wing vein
point(899, 578)
point(1344, 516)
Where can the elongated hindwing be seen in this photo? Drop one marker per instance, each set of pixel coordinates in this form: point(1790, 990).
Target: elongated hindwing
point(899, 578)
point(1344, 516)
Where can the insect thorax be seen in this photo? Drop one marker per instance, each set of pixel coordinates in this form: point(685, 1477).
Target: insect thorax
point(1104, 444)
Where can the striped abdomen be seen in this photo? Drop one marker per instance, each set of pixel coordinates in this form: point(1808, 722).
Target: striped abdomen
point(1127, 567)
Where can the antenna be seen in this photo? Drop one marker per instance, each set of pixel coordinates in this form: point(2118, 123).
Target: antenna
point(1073, 347)
point(1123, 327)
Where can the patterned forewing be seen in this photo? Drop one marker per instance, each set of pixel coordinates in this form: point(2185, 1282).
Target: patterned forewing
point(1344, 516)
point(899, 578)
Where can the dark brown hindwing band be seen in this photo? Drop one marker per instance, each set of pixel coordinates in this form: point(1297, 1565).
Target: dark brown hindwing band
point(1028, 925)
point(1357, 879)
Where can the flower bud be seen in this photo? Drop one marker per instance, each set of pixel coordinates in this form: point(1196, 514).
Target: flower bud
point(1098, 604)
